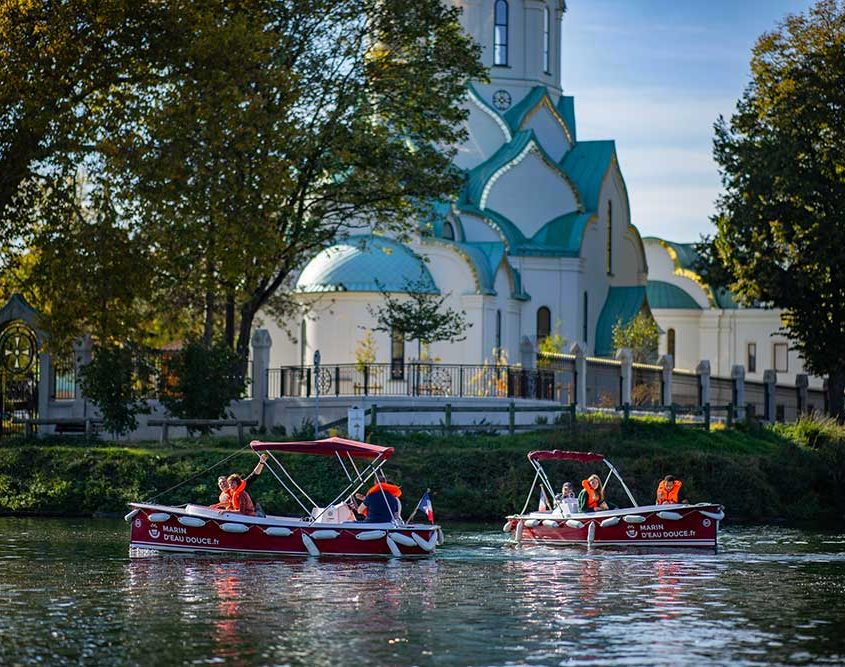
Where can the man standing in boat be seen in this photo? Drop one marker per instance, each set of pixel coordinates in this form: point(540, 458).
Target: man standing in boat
point(591, 498)
point(381, 504)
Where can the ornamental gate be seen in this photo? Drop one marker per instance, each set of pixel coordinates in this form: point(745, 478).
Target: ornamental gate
point(18, 377)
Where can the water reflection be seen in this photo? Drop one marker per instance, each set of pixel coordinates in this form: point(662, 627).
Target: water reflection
point(68, 593)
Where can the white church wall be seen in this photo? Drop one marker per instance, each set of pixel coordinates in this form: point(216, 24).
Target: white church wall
point(475, 229)
point(552, 282)
point(687, 327)
point(661, 267)
point(531, 193)
point(486, 134)
point(550, 133)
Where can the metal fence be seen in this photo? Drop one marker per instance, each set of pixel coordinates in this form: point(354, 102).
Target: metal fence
point(412, 379)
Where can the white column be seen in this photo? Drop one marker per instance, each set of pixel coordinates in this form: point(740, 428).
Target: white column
point(738, 377)
point(261, 344)
point(802, 382)
point(626, 373)
point(82, 355)
point(667, 363)
point(770, 380)
point(580, 374)
point(703, 372)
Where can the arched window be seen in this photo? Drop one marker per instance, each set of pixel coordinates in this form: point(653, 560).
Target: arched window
point(544, 323)
point(500, 33)
point(448, 231)
point(498, 333)
point(547, 58)
point(303, 343)
point(670, 344)
point(609, 238)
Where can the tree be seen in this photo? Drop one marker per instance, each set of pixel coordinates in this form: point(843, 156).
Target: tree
point(781, 220)
point(420, 316)
point(641, 335)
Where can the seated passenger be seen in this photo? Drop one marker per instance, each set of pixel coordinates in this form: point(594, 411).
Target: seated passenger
point(591, 498)
point(669, 492)
point(382, 504)
point(566, 499)
point(224, 500)
point(241, 501)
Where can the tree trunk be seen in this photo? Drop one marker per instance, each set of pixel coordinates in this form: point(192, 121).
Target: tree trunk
point(230, 320)
point(208, 326)
point(836, 394)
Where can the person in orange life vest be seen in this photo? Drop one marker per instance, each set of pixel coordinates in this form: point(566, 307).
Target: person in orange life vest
point(381, 504)
point(669, 492)
point(224, 501)
point(591, 498)
point(241, 501)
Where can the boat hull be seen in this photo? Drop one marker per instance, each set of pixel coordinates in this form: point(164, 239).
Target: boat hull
point(200, 529)
point(655, 526)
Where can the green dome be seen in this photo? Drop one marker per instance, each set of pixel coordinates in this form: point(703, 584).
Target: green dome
point(366, 264)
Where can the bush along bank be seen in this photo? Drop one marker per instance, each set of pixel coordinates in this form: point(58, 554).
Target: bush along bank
point(794, 473)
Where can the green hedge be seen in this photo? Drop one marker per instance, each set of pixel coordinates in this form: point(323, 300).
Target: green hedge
point(794, 473)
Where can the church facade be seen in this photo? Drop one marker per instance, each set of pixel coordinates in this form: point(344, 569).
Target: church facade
point(538, 242)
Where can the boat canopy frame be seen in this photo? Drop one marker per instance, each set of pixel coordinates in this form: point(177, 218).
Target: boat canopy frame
point(335, 447)
point(536, 457)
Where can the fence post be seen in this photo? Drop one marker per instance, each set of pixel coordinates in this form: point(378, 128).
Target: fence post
point(703, 372)
point(261, 344)
point(573, 411)
point(666, 363)
point(165, 432)
point(802, 381)
point(308, 382)
point(512, 418)
point(730, 417)
point(366, 380)
point(672, 413)
point(337, 380)
point(770, 380)
point(826, 397)
point(738, 377)
point(448, 418)
point(373, 416)
point(706, 416)
point(461, 381)
point(626, 368)
point(626, 412)
point(580, 398)
point(240, 432)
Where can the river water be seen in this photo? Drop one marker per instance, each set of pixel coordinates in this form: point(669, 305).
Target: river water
point(70, 594)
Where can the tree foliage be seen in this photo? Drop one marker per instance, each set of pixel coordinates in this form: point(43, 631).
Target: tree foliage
point(419, 315)
point(640, 335)
point(781, 219)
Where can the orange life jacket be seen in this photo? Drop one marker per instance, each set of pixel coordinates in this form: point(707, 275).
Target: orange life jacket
point(241, 501)
point(392, 489)
point(665, 497)
point(593, 497)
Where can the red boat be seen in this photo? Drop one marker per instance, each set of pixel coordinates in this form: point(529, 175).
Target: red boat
point(661, 526)
point(325, 530)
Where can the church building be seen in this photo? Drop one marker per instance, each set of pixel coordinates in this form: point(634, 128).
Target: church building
point(538, 242)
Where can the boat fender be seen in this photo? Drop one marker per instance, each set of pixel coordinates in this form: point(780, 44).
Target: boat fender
point(131, 515)
point(278, 531)
point(234, 527)
point(633, 518)
point(507, 528)
point(517, 535)
point(371, 535)
point(394, 548)
point(191, 521)
point(156, 517)
point(532, 523)
point(324, 534)
point(574, 523)
point(609, 521)
point(422, 543)
point(440, 538)
point(402, 539)
point(716, 516)
point(549, 523)
point(310, 547)
point(591, 533)
point(670, 516)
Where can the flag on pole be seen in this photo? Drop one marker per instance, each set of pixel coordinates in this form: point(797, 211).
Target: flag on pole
point(426, 506)
point(544, 501)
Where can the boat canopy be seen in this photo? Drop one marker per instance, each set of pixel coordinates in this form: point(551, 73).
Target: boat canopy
point(559, 455)
point(326, 447)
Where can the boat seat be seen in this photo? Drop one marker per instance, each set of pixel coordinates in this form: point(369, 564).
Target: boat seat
point(339, 513)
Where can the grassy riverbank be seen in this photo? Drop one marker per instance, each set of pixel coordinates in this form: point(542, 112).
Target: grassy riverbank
point(796, 473)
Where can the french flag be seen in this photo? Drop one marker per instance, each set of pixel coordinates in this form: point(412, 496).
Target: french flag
point(425, 506)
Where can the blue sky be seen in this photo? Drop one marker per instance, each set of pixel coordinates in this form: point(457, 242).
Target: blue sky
point(654, 75)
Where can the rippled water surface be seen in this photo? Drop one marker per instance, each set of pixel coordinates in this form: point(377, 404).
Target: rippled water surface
point(70, 593)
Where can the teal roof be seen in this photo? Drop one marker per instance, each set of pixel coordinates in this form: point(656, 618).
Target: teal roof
point(478, 176)
point(366, 264)
point(586, 164)
point(666, 295)
point(622, 303)
point(438, 214)
point(566, 108)
point(509, 230)
point(564, 233)
point(485, 257)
